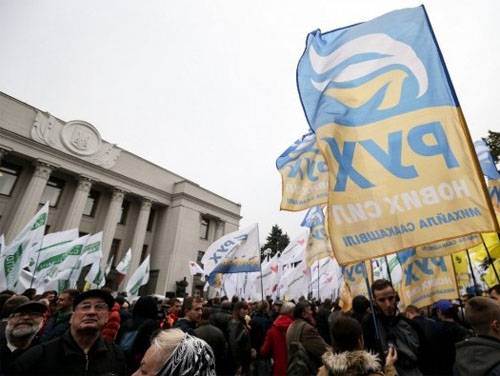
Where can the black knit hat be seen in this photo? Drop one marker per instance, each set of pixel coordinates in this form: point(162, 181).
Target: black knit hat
point(106, 296)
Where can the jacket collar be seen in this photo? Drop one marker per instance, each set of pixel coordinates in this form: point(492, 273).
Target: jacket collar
point(360, 362)
point(71, 347)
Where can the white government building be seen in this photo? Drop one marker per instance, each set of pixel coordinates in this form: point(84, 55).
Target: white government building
point(96, 186)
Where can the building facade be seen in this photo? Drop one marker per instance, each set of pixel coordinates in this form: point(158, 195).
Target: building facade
point(95, 186)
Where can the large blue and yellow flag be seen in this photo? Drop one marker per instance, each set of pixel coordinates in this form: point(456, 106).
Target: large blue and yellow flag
point(402, 167)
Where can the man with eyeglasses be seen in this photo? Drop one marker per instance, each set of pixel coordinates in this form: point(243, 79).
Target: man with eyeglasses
point(81, 350)
point(394, 329)
point(22, 327)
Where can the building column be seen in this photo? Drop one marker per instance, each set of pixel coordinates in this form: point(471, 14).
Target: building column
point(110, 222)
point(139, 234)
point(219, 230)
point(30, 200)
point(75, 210)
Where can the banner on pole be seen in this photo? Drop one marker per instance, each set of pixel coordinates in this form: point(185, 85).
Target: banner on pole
point(402, 168)
point(462, 273)
point(238, 252)
point(124, 264)
point(426, 280)
point(18, 253)
point(304, 175)
point(139, 278)
point(354, 277)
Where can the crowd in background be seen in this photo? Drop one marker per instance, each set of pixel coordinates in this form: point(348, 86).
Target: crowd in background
point(99, 333)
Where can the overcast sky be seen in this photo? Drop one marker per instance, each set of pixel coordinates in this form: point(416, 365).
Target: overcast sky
point(207, 88)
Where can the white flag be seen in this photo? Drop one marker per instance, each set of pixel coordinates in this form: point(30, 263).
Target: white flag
point(124, 264)
point(243, 241)
point(238, 253)
point(295, 250)
point(59, 263)
point(95, 276)
point(17, 254)
point(330, 278)
point(295, 282)
point(194, 268)
point(270, 277)
point(139, 278)
point(50, 241)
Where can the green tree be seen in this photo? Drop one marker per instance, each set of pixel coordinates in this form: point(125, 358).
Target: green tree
point(493, 141)
point(276, 241)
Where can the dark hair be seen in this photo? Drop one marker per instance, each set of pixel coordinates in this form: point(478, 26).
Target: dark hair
point(145, 308)
point(49, 292)
point(360, 304)
point(380, 284)
point(205, 315)
point(495, 288)
point(299, 309)
point(345, 333)
point(413, 309)
point(73, 293)
point(262, 307)
point(240, 305)
point(187, 305)
point(29, 293)
point(172, 301)
point(480, 312)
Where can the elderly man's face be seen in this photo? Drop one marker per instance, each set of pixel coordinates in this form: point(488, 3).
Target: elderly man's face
point(23, 324)
point(90, 315)
point(151, 363)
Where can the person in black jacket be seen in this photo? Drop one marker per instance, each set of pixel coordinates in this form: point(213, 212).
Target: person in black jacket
point(259, 325)
point(21, 332)
point(216, 339)
point(480, 355)
point(394, 330)
point(239, 340)
point(139, 329)
point(81, 350)
point(59, 323)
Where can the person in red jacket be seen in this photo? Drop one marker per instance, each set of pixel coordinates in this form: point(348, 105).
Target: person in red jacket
point(110, 330)
point(275, 343)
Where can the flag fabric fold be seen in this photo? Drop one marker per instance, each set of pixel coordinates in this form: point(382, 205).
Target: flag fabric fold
point(124, 264)
point(304, 175)
point(18, 253)
point(138, 279)
point(238, 252)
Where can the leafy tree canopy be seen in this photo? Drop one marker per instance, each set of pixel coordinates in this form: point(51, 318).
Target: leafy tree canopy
point(493, 141)
point(277, 241)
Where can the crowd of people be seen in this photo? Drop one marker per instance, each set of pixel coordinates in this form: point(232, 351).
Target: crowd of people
point(96, 332)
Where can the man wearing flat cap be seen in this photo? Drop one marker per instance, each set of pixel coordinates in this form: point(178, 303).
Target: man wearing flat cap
point(81, 350)
point(23, 323)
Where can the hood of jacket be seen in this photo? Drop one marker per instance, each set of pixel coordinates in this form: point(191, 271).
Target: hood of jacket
point(351, 363)
point(282, 322)
point(477, 355)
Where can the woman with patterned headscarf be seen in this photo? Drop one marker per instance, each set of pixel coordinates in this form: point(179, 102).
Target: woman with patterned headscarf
point(173, 352)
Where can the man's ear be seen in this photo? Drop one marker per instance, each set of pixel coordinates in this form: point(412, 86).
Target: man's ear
point(495, 326)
